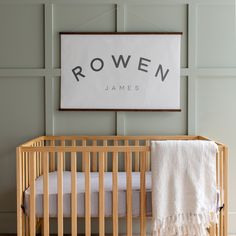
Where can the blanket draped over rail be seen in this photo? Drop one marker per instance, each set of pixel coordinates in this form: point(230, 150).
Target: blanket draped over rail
point(184, 193)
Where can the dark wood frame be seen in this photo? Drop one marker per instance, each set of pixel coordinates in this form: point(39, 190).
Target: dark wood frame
point(120, 33)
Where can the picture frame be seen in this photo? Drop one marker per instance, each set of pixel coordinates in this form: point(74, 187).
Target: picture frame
point(120, 71)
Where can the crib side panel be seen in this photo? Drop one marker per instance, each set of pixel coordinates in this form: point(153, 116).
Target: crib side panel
point(101, 161)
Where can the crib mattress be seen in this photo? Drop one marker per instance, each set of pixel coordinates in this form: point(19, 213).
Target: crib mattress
point(94, 194)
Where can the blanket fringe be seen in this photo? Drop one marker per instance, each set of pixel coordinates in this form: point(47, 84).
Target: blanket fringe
point(191, 224)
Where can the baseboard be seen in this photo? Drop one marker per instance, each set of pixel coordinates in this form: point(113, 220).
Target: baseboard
point(8, 222)
point(232, 225)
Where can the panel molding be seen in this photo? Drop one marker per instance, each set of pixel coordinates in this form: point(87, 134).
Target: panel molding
point(8, 222)
point(232, 220)
point(192, 115)
point(166, 2)
point(49, 102)
point(120, 27)
point(48, 73)
point(26, 72)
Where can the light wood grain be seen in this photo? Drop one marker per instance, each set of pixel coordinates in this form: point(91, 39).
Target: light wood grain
point(23, 170)
point(26, 169)
point(115, 191)
point(129, 193)
point(73, 192)
point(87, 149)
point(105, 156)
point(37, 146)
point(60, 194)
point(83, 156)
point(45, 195)
point(225, 170)
point(94, 160)
point(19, 190)
point(118, 137)
point(148, 158)
point(101, 194)
point(143, 194)
point(63, 144)
point(136, 159)
point(86, 156)
point(221, 189)
point(32, 193)
point(52, 164)
point(126, 143)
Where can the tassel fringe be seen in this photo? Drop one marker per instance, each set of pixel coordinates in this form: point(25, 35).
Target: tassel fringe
point(189, 224)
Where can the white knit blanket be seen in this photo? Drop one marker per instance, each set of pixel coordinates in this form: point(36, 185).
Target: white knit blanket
point(184, 194)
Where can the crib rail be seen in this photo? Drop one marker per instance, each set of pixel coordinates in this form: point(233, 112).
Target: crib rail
point(99, 154)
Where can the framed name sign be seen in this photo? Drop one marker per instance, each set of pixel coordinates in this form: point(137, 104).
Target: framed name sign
point(120, 71)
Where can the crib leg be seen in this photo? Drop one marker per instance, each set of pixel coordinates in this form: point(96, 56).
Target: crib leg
point(19, 193)
point(212, 230)
point(221, 224)
point(19, 224)
point(225, 210)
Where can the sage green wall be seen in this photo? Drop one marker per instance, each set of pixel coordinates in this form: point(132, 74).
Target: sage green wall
point(30, 76)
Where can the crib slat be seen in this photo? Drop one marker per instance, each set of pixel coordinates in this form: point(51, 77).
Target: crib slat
point(126, 144)
point(63, 143)
point(26, 169)
point(52, 157)
point(73, 192)
point(94, 161)
point(115, 191)
point(143, 194)
point(212, 230)
point(148, 158)
point(217, 170)
point(45, 195)
point(136, 160)
point(24, 173)
point(218, 183)
point(86, 156)
point(40, 160)
point(60, 193)
point(42, 145)
point(221, 195)
point(32, 193)
point(101, 195)
point(105, 155)
point(24, 186)
point(83, 156)
point(23, 157)
point(129, 193)
point(37, 160)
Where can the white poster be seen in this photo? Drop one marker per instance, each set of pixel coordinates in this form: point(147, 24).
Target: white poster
point(120, 71)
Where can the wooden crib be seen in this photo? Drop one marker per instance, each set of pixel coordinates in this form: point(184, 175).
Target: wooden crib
point(95, 154)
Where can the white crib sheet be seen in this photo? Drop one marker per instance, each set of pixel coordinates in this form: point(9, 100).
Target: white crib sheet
point(94, 194)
